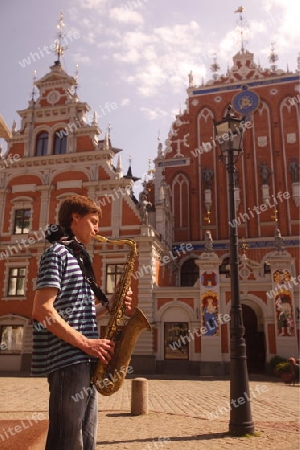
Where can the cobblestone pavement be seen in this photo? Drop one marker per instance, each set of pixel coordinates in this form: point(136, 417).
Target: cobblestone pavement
point(191, 413)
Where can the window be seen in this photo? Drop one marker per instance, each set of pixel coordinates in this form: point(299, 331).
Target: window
point(11, 338)
point(16, 281)
point(113, 275)
point(189, 273)
point(180, 194)
point(60, 143)
point(42, 144)
point(22, 221)
point(176, 340)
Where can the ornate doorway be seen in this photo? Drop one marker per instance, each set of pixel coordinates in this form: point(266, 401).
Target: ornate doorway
point(255, 341)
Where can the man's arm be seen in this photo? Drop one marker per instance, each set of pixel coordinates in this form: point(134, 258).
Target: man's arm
point(45, 313)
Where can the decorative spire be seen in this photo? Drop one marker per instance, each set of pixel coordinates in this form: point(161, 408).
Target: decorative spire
point(60, 47)
point(241, 27)
point(106, 141)
point(159, 147)
point(107, 137)
point(215, 67)
point(191, 79)
point(95, 119)
point(129, 172)
point(76, 79)
point(119, 168)
point(273, 57)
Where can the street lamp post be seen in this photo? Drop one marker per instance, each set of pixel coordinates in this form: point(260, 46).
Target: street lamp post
point(229, 134)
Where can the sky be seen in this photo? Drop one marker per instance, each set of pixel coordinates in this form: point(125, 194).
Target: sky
point(134, 57)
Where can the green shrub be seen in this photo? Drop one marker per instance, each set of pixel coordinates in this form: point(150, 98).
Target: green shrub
point(283, 367)
point(276, 360)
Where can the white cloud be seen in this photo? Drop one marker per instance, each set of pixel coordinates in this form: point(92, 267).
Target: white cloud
point(90, 37)
point(123, 15)
point(162, 58)
point(125, 101)
point(79, 58)
point(285, 22)
point(93, 4)
point(132, 56)
point(157, 60)
point(153, 113)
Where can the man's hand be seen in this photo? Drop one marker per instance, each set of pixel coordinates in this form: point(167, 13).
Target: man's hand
point(127, 301)
point(101, 348)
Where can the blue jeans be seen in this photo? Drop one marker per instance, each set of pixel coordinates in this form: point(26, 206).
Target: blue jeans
point(73, 409)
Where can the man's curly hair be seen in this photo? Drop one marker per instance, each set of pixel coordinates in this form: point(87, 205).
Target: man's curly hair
point(76, 204)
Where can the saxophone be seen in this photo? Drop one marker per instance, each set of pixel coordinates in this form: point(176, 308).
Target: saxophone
point(108, 378)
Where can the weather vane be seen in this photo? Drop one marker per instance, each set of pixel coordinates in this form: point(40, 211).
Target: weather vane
point(242, 26)
point(33, 92)
point(76, 78)
point(60, 48)
point(273, 57)
point(215, 67)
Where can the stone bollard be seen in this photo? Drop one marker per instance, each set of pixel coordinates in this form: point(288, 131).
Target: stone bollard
point(139, 396)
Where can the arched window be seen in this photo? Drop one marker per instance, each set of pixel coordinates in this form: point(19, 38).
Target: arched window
point(42, 144)
point(189, 273)
point(60, 143)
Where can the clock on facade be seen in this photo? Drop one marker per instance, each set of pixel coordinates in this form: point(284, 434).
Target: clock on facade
point(245, 102)
point(53, 97)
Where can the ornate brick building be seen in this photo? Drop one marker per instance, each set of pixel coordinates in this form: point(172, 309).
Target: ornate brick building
point(180, 221)
point(190, 181)
point(56, 153)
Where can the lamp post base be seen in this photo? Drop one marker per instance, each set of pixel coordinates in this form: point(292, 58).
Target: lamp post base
point(238, 429)
point(240, 411)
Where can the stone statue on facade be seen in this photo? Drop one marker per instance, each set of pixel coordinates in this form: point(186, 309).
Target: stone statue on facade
point(207, 176)
point(236, 178)
point(208, 242)
point(265, 173)
point(294, 167)
point(143, 206)
point(278, 240)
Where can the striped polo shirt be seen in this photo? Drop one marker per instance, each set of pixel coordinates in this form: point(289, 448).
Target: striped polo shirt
point(74, 302)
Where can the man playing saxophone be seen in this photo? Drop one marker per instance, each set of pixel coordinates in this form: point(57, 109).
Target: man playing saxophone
point(66, 345)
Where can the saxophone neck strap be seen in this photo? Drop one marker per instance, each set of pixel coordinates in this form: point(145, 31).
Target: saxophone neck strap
point(86, 267)
point(57, 233)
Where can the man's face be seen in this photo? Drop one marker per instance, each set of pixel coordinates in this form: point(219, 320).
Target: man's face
point(85, 227)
